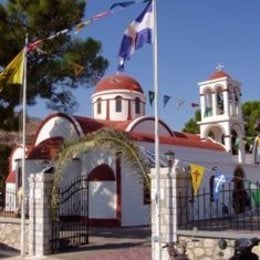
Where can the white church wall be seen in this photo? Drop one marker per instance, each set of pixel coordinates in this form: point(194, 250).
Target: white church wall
point(95, 158)
point(102, 202)
point(252, 172)
point(71, 173)
point(134, 211)
point(10, 197)
point(56, 126)
point(102, 194)
point(16, 156)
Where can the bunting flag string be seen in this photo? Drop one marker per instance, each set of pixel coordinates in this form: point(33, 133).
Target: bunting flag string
point(197, 173)
point(94, 18)
point(179, 103)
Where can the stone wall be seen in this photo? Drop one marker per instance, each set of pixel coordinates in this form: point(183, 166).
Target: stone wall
point(206, 247)
point(10, 232)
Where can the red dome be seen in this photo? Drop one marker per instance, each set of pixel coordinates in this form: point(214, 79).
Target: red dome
point(120, 81)
point(219, 74)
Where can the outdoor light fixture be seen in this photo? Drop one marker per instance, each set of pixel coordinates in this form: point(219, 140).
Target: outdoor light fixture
point(170, 158)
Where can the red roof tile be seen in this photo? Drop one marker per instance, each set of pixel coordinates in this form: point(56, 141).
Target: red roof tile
point(120, 81)
point(11, 177)
point(47, 149)
point(219, 74)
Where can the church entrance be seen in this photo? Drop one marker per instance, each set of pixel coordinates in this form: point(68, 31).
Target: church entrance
point(70, 225)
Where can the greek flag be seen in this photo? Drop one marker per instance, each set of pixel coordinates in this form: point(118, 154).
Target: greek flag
point(137, 34)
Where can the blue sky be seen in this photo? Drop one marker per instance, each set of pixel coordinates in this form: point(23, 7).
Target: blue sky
point(193, 37)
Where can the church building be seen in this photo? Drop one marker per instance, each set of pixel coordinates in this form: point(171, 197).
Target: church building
point(116, 196)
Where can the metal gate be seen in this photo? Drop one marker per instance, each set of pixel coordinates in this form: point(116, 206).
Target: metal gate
point(70, 228)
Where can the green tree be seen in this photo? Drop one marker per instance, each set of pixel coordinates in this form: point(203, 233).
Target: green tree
point(251, 112)
point(191, 126)
point(51, 74)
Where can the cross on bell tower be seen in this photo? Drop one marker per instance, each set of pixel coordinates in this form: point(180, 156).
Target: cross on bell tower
point(219, 67)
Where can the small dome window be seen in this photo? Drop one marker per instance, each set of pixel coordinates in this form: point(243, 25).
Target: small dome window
point(137, 105)
point(118, 104)
point(99, 110)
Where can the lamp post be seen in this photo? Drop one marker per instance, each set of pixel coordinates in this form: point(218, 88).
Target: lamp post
point(170, 158)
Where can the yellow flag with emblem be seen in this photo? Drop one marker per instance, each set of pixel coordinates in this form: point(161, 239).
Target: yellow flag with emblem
point(13, 72)
point(197, 173)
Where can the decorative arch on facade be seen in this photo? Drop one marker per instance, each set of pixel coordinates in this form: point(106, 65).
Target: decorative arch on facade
point(140, 120)
point(208, 101)
point(102, 173)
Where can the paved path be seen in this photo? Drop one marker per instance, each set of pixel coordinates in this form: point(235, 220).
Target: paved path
point(109, 244)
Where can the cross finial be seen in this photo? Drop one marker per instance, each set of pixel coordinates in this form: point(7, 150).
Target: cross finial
point(219, 67)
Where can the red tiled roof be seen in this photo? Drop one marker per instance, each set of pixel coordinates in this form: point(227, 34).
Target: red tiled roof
point(47, 149)
point(120, 81)
point(178, 141)
point(11, 177)
point(219, 74)
point(89, 125)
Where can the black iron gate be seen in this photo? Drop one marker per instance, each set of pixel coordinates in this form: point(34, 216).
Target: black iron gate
point(70, 228)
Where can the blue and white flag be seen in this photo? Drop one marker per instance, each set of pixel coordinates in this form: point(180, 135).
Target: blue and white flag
point(138, 33)
point(219, 181)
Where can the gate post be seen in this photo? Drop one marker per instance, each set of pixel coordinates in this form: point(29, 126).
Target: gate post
point(40, 226)
point(172, 181)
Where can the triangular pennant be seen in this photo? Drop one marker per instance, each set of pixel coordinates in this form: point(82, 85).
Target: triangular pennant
point(151, 97)
point(13, 73)
point(81, 25)
point(179, 104)
point(165, 100)
point(197, 173)
point(219, 180)
point(194, 105)
point(122, 4)
point(255, 193)
point(77, 69)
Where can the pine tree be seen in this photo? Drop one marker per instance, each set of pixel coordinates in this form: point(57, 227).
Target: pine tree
point(51, 73)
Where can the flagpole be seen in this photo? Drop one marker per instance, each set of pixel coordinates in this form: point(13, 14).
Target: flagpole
point(156, 143)
point(23, 210)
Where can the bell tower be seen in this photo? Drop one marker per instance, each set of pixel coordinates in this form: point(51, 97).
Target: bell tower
point(221, 114)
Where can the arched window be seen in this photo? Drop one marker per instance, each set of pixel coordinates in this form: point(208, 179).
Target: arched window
point(234, 142)
point(99, 110)
point(220, 102)
point(118, 104)
point(101, 173)
point(137, 105)
point(208, 103)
